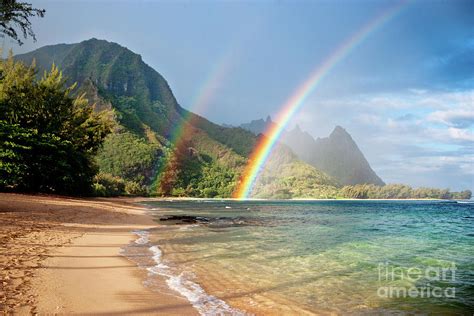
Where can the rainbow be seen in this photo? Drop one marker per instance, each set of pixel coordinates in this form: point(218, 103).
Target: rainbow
point(204, 95)
point(263, 148)
point(184, 129)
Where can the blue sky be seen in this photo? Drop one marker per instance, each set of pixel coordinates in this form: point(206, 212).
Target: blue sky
point(406, 93)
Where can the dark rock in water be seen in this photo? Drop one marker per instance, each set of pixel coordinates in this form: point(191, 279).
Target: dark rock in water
point(185, 219)
point(213, 222)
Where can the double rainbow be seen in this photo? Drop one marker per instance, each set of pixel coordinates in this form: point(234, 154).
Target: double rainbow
point(264, 147)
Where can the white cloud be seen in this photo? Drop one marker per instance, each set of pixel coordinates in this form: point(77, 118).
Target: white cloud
point(455, 117)
point(461, 134)
point(412, 99)
point(447, 100)
point(422, 138)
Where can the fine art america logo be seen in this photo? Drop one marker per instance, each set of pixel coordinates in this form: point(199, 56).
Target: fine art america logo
point(430, 277)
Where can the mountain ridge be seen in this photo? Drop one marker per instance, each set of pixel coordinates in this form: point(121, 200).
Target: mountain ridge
point(208, 159)
point(337, 155)
point(141, 156)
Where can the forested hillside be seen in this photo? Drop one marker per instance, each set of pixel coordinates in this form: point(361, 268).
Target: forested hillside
point(141, 155)
point(153, 145)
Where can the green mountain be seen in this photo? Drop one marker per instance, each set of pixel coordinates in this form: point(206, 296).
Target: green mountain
point(285, 176)
point(337, 155)
point(206, 161)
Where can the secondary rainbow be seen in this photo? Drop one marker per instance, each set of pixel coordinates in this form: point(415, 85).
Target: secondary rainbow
point(265, 145)
point(204, 96)
point(184, 128)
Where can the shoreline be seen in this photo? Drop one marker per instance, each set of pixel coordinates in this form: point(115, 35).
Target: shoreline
point(69, 255)
point(149, 257)
point(64, 255)
point(181, 198)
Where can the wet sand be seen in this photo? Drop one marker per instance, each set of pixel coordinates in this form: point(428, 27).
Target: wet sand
point(63, 255)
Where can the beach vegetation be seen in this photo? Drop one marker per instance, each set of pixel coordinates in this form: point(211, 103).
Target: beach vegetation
point(129, 157)
point(53, 140)
point(399, 191)
point(108, 185)
point(48, 137)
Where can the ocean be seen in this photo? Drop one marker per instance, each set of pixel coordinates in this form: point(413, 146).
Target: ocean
point(312, 257)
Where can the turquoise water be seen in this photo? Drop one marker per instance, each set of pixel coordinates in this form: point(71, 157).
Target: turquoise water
point(319, 256)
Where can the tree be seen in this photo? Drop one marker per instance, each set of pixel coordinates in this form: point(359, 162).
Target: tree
point(16, 15)
point(127, 156)
point(48, 138)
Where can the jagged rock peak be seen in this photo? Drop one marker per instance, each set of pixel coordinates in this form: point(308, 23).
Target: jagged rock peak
point(339, 131)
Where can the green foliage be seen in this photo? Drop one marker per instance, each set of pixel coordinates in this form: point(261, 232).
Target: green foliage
point(146, 108)
point(140, 158)
point(186, 172)
point(198, 166)
point(16, 15)
point(217, 182)
point(177, 167)
point(137, 189)
point(399, 191)
point(47, 138)
point(108, 185)
point(180, 192)
point(139, 94)
point(285, 177)
point(127, 114)
point(99, 189)
point(127, 156)
point(212, 150)
point(463, 195)
point(30, 161)
point(239, 140)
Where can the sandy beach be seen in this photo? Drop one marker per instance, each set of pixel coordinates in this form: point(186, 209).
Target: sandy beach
point(63, 255)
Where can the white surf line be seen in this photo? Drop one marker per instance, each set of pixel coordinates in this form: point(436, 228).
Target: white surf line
point(204, 303)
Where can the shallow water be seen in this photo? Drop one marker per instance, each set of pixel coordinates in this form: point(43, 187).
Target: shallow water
point(316, 256)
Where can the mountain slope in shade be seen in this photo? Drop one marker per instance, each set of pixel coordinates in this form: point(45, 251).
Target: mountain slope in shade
point(258, 126)
point(139, 93)
point(114, 75)
point(337, 155)
point(285, 176)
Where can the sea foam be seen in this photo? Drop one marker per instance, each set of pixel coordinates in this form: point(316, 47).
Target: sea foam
point(204, 303)
point(142, 237)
